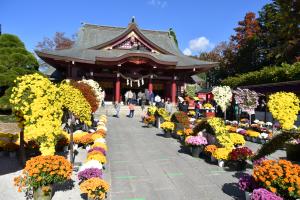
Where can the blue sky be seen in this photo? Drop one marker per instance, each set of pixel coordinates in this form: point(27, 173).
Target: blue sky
point(199, 24)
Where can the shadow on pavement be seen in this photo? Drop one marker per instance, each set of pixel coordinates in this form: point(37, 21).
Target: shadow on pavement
point(232, 189)
point(9, 165)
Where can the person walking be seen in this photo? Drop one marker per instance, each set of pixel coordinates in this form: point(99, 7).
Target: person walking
point(131, 109)
point(117, 107)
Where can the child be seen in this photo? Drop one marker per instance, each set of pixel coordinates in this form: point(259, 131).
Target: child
point(131, 109)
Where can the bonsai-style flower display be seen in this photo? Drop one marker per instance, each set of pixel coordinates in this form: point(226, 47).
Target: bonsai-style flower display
point(44, 171)
point(209, 149)
point(263, 194)
point(280, 177)
point(96, 88)
point(88, 93)
point(221, 153)
point(95, 188)
point(246, 99)
point(284, 107)
point(90, 173)
point(240, 154)
point(167, 126)
point(237, 139)
point(188, 131)
point(196, 140)
point(182, 118)
point(36, 103)
point(222, 96)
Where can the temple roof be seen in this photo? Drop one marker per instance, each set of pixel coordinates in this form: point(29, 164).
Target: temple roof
point(93, 45)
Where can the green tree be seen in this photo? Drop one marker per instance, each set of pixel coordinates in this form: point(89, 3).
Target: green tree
point(15, 61)
point(280, 36)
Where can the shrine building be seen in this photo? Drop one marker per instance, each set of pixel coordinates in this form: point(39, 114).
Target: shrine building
point(127, 58)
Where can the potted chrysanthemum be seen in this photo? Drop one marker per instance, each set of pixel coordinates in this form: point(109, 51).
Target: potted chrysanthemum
point(196, 143)
point(95, 188)
point(40, 173)
point(239, 157)
point(168, 127)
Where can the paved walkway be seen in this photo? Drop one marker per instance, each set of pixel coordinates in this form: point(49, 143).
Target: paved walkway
point(143, 165)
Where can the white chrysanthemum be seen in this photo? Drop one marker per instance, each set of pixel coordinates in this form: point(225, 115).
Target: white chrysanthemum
point(77, 131)
point(91, 164)
point(91, 131)
point(101, 140)
point(263, 136)
point(269, 123)
point(256, 121)
point(102, 128)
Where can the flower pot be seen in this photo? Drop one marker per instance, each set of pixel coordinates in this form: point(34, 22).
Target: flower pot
point(221, 163)
point(196, 150)
point(12, 154)
point(39, 194)
point(293, 152)
point(241, 165)
point(247, 195)
point(213, 159)
point(158, 122)
point(167, 134)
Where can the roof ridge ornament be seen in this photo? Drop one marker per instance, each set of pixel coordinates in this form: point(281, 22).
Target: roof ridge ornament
point(133, 19)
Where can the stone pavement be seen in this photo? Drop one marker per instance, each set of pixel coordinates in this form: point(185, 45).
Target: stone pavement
point(143, 165)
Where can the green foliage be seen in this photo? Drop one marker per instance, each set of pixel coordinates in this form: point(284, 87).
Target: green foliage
point(274, 74)
point(191, 90)
point(15, 61)
point(276, 143)
point(173, 34)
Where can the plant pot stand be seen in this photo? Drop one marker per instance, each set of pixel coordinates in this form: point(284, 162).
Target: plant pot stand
point(196, 150)
point(167, 134)
point(38, 194)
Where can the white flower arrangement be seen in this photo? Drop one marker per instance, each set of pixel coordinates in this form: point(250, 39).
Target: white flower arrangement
point(269, 123)
point(91, 164)
point(222, 96)
point(96, 88)
point(101, 128)
point(256, 121)
point(234, 122)
point(263, 135)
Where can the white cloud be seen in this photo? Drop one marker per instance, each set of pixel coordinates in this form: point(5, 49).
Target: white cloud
point(197, 45)
point(187, 52)
point(158, 3)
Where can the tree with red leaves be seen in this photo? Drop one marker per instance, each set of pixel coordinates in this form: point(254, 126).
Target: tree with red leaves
point(246, 30)
point(59, 41)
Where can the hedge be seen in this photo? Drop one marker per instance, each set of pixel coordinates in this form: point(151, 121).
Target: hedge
point(273, 74)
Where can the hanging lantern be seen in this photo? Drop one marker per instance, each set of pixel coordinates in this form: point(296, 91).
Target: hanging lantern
point(127, 81)
point(142, 81)
point(130, 83)
point(138, 83)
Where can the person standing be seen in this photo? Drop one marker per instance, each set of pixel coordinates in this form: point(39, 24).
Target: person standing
point(131, 109)
point(143, 102)
point(185, 107)
point(168, 106)
point(117, 107)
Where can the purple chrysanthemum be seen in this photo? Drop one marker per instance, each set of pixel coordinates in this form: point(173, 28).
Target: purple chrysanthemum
point(247, 183)
point(263, 194)
point(98, 149)
point(90, 173)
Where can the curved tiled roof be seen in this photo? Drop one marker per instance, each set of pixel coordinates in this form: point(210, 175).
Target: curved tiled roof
point(92, 37)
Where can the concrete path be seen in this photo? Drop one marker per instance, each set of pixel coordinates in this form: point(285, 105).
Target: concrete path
point(143, 165)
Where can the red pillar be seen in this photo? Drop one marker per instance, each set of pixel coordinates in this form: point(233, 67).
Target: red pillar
point(117, 90)
point(150, 86)
point(173, 92)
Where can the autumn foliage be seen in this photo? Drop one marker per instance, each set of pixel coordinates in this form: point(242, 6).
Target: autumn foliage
point(88, 93)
